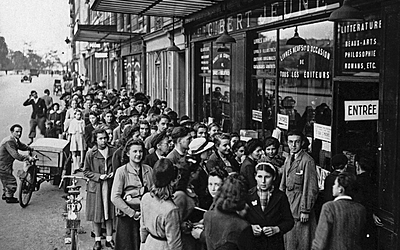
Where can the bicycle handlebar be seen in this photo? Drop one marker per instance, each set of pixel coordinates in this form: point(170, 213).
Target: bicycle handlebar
point(72, 177)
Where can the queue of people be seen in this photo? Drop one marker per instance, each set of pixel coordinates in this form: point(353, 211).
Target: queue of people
point(163, 182)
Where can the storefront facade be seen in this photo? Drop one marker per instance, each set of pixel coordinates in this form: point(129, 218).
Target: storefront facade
point(336, 87)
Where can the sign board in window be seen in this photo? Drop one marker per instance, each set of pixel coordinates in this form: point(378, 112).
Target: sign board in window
point(100, 55)
point(283, 121)
point(361, 110)
point(257, 115)
point(358, 47)
point(322, 132)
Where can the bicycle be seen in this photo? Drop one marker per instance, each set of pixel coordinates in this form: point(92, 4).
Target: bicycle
point(74, 206)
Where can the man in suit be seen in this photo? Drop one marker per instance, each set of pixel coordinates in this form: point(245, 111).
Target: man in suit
point(38, 116)
point(300, 183)
point(339, 163)
point(342, 221)
point(162, 146)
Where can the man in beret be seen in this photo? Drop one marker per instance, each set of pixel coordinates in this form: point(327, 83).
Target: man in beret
point(161, 144)
point(181, 137)
point(339, 163)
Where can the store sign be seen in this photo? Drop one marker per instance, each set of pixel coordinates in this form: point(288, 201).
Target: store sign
point(271, 12)
point(100, 55)
point(283, 121)
point(358, 46)
point(94, 45)
point(361, 110)
point(256, 115)
point(322, 132)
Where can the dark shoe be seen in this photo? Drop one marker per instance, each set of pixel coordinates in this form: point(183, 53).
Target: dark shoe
point(11, 200)
point(93, 235)
point(97, 245)
point(110, 244)
point(3, 197)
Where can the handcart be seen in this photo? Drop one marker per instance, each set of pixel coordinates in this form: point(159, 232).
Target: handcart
point(52, 161)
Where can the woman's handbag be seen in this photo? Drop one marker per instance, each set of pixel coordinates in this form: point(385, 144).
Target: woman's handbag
point(132, 196)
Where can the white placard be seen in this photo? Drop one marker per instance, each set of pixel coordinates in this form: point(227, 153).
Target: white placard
point(322, 132)
point(361, 110)
point(326, 146)
point(100, 55)
point(283, 121)
point(257, 115)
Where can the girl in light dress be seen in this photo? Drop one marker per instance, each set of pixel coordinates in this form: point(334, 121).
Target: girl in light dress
point(70, 114)
point(76, 132)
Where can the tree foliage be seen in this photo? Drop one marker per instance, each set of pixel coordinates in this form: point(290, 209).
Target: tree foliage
point(3, 52)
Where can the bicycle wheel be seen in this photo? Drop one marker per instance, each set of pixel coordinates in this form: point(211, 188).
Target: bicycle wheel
point(74, 239)
point(27, 187)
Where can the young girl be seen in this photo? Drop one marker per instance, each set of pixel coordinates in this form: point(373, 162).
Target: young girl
point(76, 131)
point(272, 156)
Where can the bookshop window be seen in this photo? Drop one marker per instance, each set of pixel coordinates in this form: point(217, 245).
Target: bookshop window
point(305, 85)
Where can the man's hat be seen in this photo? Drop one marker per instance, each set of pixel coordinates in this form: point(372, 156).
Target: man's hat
point(179, 132)
point(339, 160)
point(185, 120)
point(199, 145)
point(158, 138)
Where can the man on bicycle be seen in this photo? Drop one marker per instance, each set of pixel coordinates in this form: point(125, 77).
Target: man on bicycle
point(9, 147)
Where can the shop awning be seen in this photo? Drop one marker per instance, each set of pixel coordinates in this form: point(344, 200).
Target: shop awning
point(102, 33)
point(165, 8)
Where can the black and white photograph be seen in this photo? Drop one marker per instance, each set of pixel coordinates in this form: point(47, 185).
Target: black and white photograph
point(199, 124)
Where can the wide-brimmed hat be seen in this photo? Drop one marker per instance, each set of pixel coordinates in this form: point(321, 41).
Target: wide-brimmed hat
point(164, 172)
point(185, 120)
point(199, 145)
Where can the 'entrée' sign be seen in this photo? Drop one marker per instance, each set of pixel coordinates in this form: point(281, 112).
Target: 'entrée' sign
point(361, 110)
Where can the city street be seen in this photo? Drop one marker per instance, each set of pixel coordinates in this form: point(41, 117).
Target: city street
point(40, 225)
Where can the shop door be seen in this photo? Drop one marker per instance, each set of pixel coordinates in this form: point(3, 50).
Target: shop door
point(353, 130)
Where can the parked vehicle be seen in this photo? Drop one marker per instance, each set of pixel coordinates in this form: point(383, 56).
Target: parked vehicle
point(34, 72)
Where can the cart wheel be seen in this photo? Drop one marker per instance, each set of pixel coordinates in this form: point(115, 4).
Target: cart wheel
point(74, 239)
point(26, 188)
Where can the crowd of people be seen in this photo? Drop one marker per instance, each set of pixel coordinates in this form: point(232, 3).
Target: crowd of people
point(163, 181)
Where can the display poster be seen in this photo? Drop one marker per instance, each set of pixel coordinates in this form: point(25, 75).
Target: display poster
point(361, 110)
point(358, 47)
point(205, 56)
point(322, 132)
point(257, 115)
point(283, 121)
point(326, 146)
point(264, 54)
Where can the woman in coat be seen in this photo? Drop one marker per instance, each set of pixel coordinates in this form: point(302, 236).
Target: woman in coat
point(186, 200)
point(268, 212)
point(131, 181)
point(98, 168)
point(253, 154)
point(223, 226)
point(160, 221)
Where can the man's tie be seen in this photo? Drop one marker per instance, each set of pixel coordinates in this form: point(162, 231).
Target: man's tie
point(291, 159)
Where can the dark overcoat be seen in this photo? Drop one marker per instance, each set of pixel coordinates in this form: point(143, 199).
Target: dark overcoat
point(276, 213)
point(93, 168)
